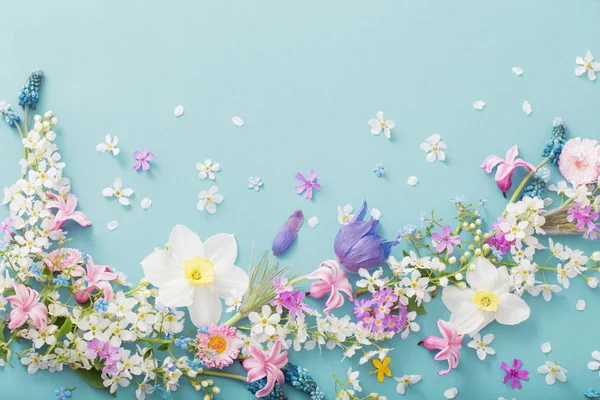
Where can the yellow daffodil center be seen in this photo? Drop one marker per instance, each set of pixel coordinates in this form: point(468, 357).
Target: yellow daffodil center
point(486, 301)
point(199, 271)
point(218, 344)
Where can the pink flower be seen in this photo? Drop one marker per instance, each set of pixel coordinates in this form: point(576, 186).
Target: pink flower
point(94, 277)
point(24, 306)
point(219, 346)
point(579, 161)
point(6, 227)
point(65, 210)
point(62, 258)
point(449, 345)
point(143, 158)
point(445, 241)
point(330, 279)
point(506, 167)
point(266, 364)
point(514, 374)
point(307, 184)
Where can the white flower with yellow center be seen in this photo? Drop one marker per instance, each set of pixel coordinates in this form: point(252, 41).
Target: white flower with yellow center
point(405, 382)
point(482, 345)
point(196, 275)
point(379, 124)
point(208, 169)
point(118, 191)
point(487, 298)
point(588, 64)
point(110, 144)
point(208, 199)
point(553, 372)
point(434, 148)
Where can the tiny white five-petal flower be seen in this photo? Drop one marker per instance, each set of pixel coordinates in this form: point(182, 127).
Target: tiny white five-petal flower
point(207, 169)
point(482, 345)
point(208, 199)
point(588, 64)
point(265, 321)
point(553, 372)
point(118, 192)
point(345, 214)
point(379, 124)
point(405, 382)
point(110, 144)
point(433, 146)
point(353, 379)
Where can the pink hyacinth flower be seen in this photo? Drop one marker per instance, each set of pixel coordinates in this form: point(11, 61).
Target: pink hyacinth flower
point(449, 345)
point(266, 364)
point(95, 277)
point(307, 184)
point(330, 279)
point(65, 210)
point(143, 159)
point(506, 167)
point(25, 305)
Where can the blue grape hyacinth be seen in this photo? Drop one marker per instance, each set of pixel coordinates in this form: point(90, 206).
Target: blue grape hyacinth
point(536, 186)
point(30, 92)
point(555, 145)
point(9, 115)
point(276, 394)
point(301, 379)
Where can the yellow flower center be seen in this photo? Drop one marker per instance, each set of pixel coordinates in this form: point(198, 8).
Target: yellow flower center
point(218, 344)
point(382, 124)
point(486, 301)
point(435, 148)
point(117, 192)
point(199, 271)
point(208, 199)
point(588, 65)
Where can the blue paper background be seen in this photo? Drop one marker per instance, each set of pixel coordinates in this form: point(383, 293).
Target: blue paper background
point(305, 77)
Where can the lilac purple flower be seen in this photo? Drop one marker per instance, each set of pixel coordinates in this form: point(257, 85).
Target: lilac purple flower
point(585, 220)
point(307, 184)
point(143, 159)
point(515, 374)
point(445, 241)
point(281, 285)
point(288, 233)
point(382, 312)
point(6, 227)
point(293, 301)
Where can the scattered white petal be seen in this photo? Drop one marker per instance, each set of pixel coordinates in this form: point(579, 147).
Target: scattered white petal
point(527, 107)
point(112, 225)
point(375, 213)
point(546, 347)
point(178, 111)
point(237, 121)
point(146, 203)
point(451, 393)
point(580, 306)
point(412, 180)
point(313, 221)
point(479, 105)
point(518, 71)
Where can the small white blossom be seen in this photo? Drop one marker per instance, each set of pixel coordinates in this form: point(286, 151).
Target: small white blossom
point(379, 124)
point(406, 381)
point(433, 146)
point(265, 321)
point(481, 344)
point(117, 191)
point(110, 144)
point(553, 372)
point(345, 215)
point(353, 380)
point(371, 282)
point(588, 64)
point(209, 199)
point(208, 169)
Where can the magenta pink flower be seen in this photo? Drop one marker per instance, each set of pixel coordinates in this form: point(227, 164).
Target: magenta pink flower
point(449, 345)
point(514, 374)
point(307, 184)
point(143, 159)
point(585, 220)
point(266, 364)
point(506, 167)
point(445, 241)
point(24, 306)
point(95, 277)
point(6, 228)
point(65, 210)
point(330, 279)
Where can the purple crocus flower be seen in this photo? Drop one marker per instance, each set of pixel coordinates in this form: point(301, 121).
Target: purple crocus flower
point(515, 374)
point(288, 233)
point(143, 159)
point(307, 184)
point(357, 244)
point(445, 241)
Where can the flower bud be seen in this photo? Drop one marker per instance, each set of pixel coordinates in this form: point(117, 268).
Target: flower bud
point(478, 222)
point(477, 251)
point(452, 260)
point(443, 281)
point(592, 282)
point(459, 276)
point(48, 114)
point(595, 256)
point(461, 285)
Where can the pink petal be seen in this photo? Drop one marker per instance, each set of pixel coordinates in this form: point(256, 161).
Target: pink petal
point(39, 315)
point(490, 163)
point(308, 194)
point(150, 157)
point(522, 163)
point(81, 218)
point(145, 165)
point(17, 318)
point(511, 154)
point(301, 177)
point(137, 165)
point(137, 155)
point(300, 188)
point(312, 175)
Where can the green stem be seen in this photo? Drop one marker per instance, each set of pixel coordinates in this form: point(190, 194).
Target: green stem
point(225, 375)
point(152, 340)
point(26, 118)
point(524, 181)
point(235, 318)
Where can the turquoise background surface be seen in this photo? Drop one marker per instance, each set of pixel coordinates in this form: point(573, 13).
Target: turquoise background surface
point(306, 77)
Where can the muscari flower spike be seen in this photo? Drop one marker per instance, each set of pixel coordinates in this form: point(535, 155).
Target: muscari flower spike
point(555, 145)
point(276, 394)
point(9, 115)
point(537, 184)
point(29, 94)
point(301, 379)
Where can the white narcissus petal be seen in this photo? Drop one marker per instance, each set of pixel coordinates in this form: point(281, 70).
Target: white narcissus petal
point(112, 225)
point(482, 274)
point(178, 112)
point(159, 267)
point(313, 221)
point(467, 318)
point(512, 309)
point(177, 292)
point(229, 282)
point(146, 203)
point(184, 244)
point(518, 70)
point(479, 105)
point(546, 347)
point(527, 109)
point(451, 393)
point(237, 121)
point(206, 307)
point(412, 180)
point(221, 250)
point(453, 297)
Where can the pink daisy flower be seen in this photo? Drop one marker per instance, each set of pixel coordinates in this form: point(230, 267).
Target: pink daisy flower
point(579, 161)
point(219, 347)
point(63, 258)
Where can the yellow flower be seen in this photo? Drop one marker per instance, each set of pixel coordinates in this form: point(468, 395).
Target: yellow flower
point(382, 368)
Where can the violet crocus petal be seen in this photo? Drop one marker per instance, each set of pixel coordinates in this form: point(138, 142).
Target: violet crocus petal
point(288, 233)
point(366, 253)
point(360, 215)
point(349, 235)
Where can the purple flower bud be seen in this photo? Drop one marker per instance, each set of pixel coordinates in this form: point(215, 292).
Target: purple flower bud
point(288, 233)
point(357, 244)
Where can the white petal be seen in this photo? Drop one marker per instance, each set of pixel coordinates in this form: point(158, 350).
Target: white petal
point(550, 379)
point(229, 282)
point(431, 156)
point(467, 318)
point(434, 139)
point(101, 147)
point(118, 183)
point(313, 221)
point(112, 225)
point(593, 365)
point(479, 105)
point(206, 307)
point(518, 71)
point(426, 146)
point(211, 208)
point(596, 355)
point(237, 121)
point(451, 393)
point(441, 155)
point(588, 56)
point(580, 306)
point(127, 192)
point(178, 292)
point(527, 107)
point(591, 74)
point(376, 214)
point(412, 180)
point(453, 297)
point(108, 192)
point(512, 309)
point(483, 274)
point(146, 203)
point(178, 111)
point(580, 70)
point(184, 244)
point(379, 115)
point(124, 201)
point(221, 250)
point(487, 339)
point(159, 267)
point(546, 347)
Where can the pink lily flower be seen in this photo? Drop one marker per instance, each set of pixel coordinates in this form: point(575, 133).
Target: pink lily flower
point(330, 279)
point(449, 345)
point(24, 306)
point(95, 277)
point(266, 364)
point(66, 211)
point(307, 184)
point(506, 167)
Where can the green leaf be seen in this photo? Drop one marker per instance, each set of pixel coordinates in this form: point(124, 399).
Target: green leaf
point(94, 378)
point(163, 347)
point(405, 253)
point(66, 327)
point(2, 337)
point(149, 353)
point(412, 306)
